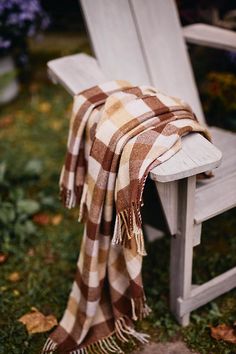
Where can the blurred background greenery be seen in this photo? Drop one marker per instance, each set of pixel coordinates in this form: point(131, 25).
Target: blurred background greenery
point(39, 240)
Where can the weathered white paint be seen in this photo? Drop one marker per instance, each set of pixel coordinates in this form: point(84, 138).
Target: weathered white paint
point(210, 36)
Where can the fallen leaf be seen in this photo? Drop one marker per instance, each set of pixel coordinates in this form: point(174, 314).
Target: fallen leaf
point(56, 219)
point(41, 219)
point(224, 332)
point(44, 107)
point(14, 277)
point(36, 322)
point(3, 257)
point(6, 121)
point(31, 252)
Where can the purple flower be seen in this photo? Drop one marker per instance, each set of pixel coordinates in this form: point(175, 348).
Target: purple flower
point(5, 44)
point(20, 19)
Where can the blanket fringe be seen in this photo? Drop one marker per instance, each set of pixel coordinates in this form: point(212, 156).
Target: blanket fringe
point(128, 225)
point(49, 346)
point(108, 345)
point(67, 197)
point(140, 309)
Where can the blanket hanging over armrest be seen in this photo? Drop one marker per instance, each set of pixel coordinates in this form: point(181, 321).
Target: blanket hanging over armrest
point(118, 133)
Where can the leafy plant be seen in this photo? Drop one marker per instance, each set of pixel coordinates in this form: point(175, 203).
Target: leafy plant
point(16, 208)
point(219, 95)
point(19, 20)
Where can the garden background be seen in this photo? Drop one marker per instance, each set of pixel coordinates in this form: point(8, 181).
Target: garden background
point(40, 240)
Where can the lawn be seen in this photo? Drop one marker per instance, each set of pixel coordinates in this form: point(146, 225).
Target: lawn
point(42, 250)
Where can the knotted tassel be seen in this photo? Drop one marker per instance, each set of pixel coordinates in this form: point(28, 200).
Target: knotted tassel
point(128, 226)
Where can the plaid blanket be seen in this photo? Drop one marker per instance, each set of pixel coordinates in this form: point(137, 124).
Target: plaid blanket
point(118, 133)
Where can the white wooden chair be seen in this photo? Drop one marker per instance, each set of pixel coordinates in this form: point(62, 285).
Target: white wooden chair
point(142, 41)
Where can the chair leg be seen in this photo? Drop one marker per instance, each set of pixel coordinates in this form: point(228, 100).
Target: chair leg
point(182, 248)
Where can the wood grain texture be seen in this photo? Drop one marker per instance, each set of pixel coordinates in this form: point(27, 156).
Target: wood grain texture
point(115, 40)
point(76, 72)
point(182, 249)
point(196, 155)
point(210, 36)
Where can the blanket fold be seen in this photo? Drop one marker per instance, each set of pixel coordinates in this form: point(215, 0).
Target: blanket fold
point(118, 133)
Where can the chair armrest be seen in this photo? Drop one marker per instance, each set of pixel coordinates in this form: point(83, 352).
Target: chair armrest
point(196, 155)
point(210, 36)
point(80, 71)
point(75, 72)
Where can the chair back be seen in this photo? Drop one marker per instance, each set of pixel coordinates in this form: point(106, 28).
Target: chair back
point(142, 41)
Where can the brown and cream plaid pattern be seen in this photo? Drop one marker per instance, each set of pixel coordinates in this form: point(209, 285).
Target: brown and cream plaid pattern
point(118, 133)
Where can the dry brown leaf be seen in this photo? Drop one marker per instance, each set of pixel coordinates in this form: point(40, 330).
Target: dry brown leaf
point(6, 121)
point(36, 322)
point(3, 258)
point(56, 219)
point(14, 277)
point(31, 252)
point(224, 332)
point(41, 219)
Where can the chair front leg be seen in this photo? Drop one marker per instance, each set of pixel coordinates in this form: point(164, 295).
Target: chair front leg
point(182, 248)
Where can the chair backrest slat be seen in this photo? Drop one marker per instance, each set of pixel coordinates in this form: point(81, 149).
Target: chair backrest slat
point(142, 41)
point(115, 40)
point(165, 49)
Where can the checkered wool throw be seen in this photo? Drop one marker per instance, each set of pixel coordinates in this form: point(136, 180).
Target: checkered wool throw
point(118, 133)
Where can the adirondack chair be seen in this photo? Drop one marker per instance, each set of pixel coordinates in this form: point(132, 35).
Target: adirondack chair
point(143, 42)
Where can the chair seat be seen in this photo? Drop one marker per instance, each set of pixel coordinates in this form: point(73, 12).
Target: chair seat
point(218, 194)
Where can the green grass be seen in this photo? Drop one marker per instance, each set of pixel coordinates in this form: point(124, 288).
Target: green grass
point(36, 126)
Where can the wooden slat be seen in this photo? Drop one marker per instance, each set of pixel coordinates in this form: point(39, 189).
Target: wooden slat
point(164, 49)
point(115, 40)
point(197, 155)
point(226, 142)
point(197, 235)
point(182, 248)
point(215, 198)
point(218, 194)
point(152, 233)
point(210, 36)
point(76, 72)
point(202, 294)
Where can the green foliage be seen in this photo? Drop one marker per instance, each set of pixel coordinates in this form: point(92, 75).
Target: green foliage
point(219, 94)
point(16, 209)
